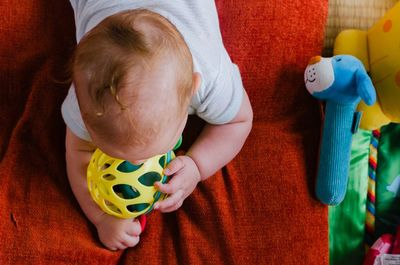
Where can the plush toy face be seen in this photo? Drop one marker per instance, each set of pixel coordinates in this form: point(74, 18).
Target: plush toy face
point(319, 74)
point(341, 79)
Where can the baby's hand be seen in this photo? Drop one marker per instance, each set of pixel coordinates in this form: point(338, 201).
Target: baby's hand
point(186, 175)
point(116, 233)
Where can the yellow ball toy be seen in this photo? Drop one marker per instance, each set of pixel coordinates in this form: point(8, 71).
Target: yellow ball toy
point(123, 189)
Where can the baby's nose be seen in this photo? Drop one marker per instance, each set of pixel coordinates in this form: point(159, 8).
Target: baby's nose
point(314, 60)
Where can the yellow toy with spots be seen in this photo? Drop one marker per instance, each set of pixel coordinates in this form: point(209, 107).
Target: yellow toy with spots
point(379, 50)
point(123, 189)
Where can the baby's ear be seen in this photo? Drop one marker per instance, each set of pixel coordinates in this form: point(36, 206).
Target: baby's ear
point(196, 82)
point(365, 88)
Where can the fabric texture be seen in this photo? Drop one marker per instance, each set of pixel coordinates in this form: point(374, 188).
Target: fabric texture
point(259, 209)
point(219, 97)
point(347, 221)
point(352, 14)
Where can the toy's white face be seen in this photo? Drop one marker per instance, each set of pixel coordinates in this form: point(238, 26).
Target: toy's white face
point(319, 74)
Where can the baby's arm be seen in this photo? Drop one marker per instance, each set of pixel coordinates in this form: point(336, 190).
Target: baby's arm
point(113, 232)
point(213, 149)
point(217, 145)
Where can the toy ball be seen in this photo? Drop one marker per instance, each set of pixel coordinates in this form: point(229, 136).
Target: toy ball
point(123, 189)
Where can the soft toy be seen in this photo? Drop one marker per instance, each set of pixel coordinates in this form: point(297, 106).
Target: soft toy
point(341, 81)
point(372, 203)
point(379, 50)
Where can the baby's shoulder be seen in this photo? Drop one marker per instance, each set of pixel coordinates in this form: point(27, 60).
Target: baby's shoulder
point(197, 22)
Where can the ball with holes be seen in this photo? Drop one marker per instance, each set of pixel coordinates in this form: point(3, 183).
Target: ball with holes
point(123, 189)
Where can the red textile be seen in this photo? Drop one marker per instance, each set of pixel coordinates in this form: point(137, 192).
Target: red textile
point(259, 209)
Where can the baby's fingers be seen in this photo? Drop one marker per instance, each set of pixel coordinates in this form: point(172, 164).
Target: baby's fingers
point(135, 228)
point(172, 186)
point(165, 188)
point(130, 241)
point(117, 246)
point(174, 166)
point(171, 203)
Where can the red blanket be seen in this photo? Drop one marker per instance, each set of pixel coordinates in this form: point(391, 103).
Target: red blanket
point(259, 209)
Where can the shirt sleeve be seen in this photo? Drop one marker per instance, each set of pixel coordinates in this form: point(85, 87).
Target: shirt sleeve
point(74, 3)
point(72, 116)
point(220, 101)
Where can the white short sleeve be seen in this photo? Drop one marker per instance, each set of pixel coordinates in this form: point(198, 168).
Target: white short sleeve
point(219, 102)
point(72, 116)
point(77, 6)
point(74, 3)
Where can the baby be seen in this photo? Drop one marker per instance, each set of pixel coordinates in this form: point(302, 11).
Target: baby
point(139, 69)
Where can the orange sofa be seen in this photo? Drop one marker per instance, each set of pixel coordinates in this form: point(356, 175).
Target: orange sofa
point(259, 209)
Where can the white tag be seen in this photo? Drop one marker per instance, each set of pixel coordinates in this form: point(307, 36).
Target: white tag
point(387, 259)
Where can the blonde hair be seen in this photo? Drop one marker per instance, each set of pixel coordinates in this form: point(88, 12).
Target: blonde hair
point(130, 42)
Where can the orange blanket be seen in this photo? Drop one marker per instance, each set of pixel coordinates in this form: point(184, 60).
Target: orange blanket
point(260, 209)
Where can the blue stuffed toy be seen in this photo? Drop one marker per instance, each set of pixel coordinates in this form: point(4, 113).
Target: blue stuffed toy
point(342, 82)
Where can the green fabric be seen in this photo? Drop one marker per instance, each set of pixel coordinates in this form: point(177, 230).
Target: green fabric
point(388, 180)
point(346, 221)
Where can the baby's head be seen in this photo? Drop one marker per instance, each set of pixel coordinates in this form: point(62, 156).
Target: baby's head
point(134, 79)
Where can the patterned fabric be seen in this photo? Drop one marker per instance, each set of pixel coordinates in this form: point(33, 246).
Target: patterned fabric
point(372, 165)
point(347, 222)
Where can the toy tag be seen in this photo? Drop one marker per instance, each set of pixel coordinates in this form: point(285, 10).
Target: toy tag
point(387, 259)
point(356, 122)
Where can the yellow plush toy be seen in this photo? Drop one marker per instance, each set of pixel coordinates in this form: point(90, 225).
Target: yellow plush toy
point(371, 206)
point(379, 50)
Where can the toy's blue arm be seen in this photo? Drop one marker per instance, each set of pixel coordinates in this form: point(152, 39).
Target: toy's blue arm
point(335, 152)
point(365, 88)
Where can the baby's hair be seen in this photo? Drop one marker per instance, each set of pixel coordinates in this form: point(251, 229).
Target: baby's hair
point(131, 42)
